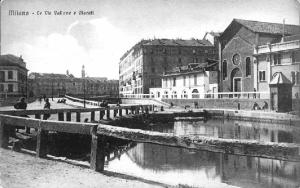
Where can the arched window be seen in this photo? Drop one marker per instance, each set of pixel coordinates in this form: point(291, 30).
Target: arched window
point(195, 93)
point(248, 66)
point(224, 66)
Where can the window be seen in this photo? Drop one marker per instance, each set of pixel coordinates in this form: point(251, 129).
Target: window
point(248, 66)
point(1, 87)
point(293, 77)
point(179, 61)
point(194, 51)
point(298, 77)
point(153, 69)
point(10, 88)
point(10, 74)
point(179, 51)
point(152, 82)
point(2, 76)
point(195, 60)
point(277, 59)
point(184, 80)
point(236, 59)
point(224, 69)
point(262, 76)
point(195, 79)
point(174, 82)
point(292, 57)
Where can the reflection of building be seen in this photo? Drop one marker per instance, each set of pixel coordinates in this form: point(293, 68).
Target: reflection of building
point(189, 81)
point(237, 42)
point(283, 57)
point(61, 84)
point(142, 66)
point(13, 76)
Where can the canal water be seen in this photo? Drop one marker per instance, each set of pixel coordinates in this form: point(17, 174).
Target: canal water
point(189, 168)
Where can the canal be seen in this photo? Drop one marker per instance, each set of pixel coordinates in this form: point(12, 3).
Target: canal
point(189, 168)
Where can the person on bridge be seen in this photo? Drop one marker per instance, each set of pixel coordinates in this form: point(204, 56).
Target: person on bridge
point(46, 106)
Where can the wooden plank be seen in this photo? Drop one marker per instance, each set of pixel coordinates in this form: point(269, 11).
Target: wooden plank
point(41, 145)
point(97, 151)
point(78, 115)
point(4, 134)
point(282, 151)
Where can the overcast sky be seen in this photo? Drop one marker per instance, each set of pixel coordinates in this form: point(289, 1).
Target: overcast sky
point(50, 43)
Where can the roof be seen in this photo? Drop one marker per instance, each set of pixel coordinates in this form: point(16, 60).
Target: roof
point(34, 75)
point(168, 42)
point(178, 42)
point(267, 27)
point(279, 78)
point(12, 60)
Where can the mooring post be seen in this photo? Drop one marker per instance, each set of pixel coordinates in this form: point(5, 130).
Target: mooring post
point(60, 116)
point(120, 112)
point(97, 151)
point(4, 134)
point(92, 116)
point(68, 116)
point(78, 116)
point(41, 145)
point(108, 113)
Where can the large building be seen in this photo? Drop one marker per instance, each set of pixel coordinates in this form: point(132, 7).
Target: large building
point(196, 80)
point(13, 76)
point(142, 66)
point(62, 84)
point(236, 45)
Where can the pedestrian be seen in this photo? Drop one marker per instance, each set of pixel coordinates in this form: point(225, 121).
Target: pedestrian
point(21, 104)
point(46, 107)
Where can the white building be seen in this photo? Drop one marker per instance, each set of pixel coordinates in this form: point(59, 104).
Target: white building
point(191, 81)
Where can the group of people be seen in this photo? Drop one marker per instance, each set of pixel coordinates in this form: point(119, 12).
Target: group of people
point(257, 107)
point(22, 105)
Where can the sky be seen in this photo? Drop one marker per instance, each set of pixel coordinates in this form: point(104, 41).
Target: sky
point(57, 43)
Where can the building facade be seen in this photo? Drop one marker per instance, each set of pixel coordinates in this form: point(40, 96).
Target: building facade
point(191, 81)
point(281, 57)
point(142, 66)
point(65, 84)
point(236, 51)
point(13, 76)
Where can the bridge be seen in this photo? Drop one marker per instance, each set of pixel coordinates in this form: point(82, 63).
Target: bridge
point(98, 133)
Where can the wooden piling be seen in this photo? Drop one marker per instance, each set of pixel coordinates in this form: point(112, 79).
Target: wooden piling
point(78, 116)
point(4, 134)
point(68, 116)
point(41, 145)
point(92, 116)
point(60, 116)
point(97, 151)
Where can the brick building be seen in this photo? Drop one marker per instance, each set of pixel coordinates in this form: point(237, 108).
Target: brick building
point(61, 84)
point(13, 76)
point(236, 45)
point(143, 65)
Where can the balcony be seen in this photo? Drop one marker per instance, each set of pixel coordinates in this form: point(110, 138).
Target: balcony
point(277, 47)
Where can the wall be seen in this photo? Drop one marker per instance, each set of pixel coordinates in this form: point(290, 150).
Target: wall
point(246, 104)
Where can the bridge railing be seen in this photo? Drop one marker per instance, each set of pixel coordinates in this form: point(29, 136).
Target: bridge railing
point(98, 133)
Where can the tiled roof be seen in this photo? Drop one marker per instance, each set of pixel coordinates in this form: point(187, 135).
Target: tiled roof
point(12, 60)
point(179, 42)
point(271, 28)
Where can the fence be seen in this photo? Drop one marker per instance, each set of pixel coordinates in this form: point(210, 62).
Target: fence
point(98, 133)
point(219, 95)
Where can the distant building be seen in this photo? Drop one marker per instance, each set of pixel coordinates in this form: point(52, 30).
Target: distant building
point(13, 76)
point(190, 81)
point(61, 84)
point(236, 46)
point(280, 57)
point(142, 66)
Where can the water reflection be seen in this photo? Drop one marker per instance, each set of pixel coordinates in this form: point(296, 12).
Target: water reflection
point(179, 166)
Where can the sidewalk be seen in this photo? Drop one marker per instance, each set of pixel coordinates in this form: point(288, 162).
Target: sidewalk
point(18, 170)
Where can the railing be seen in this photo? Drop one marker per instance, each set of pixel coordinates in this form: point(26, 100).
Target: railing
point(277, 47)
point(90, 102)
point(219, 95)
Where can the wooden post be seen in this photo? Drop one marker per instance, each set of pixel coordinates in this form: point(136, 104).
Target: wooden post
point(4, 134)
point(92, 116)
point(78, 116)
point(97, 151)
point(41, 145)
point(120, 112)
point(68, 116)
point(60, 116)
point(107, 113)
